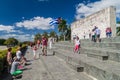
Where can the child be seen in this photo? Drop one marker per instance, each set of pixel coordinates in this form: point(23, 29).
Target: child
point(34, 51)
point(77, 44)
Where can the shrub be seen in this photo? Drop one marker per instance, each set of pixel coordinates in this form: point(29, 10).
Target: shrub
point(3, 54)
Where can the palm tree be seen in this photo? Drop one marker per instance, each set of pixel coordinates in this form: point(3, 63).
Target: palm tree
point(68, 33)
point(62, 27)
point(52, 34)
point(37, 37)
point(118, 31)
point(45, 34)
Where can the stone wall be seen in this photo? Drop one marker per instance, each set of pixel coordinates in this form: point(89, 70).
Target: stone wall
point(102, 19)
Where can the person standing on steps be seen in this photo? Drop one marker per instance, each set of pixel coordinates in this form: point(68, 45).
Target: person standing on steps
point(34, 51)
point(77, 45)
point(50, 43)
point(38, 43)
point(89, 34)
point(108, 32)
point(97, 32)
point(84, 35)
point(44, 45)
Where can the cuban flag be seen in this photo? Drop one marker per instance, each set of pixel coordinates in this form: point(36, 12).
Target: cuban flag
point(55, 21)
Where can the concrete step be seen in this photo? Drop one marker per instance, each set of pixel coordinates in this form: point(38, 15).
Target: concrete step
point(102, 70)
point(112, 39)
point(92, 52)
point(59, 70)
point(102, 53)
point(109, 45)
point(66, 42)
point(36, 70)
point(96, 52)
point(63, 46)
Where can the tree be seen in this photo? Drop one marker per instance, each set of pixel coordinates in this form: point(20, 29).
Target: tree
point(52, 34)
point(45, 34)
point(11, 41)
point(118, 31)
point(62, 27)
point(68, 33)
point(37, 37)
point(2, 41)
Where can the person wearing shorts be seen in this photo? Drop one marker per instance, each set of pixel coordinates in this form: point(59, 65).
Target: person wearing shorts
point(77, 45)
point(97, 32)
point(44, 46)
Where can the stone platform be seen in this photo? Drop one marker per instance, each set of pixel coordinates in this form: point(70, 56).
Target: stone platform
point(100, 60)
point(49, 68)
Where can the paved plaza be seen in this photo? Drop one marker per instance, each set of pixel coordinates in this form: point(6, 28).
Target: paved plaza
point(48, 67)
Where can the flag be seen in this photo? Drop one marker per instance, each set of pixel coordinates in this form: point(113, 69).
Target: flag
point(55, 21)
point(59, 20)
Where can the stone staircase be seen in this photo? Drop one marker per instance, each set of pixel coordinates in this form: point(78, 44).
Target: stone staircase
point(99, 60)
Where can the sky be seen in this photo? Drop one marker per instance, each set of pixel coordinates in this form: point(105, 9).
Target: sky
point(22, 19)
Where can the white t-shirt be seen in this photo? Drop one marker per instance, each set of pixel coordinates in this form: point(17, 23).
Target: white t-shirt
point(93, 33)
point(18, 54)
point(77, 42)
point(97, 31)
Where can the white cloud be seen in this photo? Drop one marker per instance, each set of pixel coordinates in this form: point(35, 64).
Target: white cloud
point(85, 10)
point(6, 36)
point(36, 22)
point(6, 28)
point(25, 37)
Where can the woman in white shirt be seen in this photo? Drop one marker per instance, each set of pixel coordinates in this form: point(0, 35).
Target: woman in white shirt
point(77, 44)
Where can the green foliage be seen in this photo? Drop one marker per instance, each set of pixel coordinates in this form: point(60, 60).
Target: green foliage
point(52, 34)
point(61, 37)
point(11, 41)
point(64, 30)
point(3, 54)
point(2, 41)
point(45, 34)
point(68, 33)
point(62, 26)
point(118, 29)
point(37, 36)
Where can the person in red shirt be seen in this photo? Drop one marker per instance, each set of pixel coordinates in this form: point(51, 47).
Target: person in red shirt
point(108, 32)
point(44, 45)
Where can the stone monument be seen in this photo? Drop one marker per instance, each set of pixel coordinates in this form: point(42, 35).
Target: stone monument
point(101, 19)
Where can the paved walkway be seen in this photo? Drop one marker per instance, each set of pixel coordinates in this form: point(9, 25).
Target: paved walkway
point(49, 68)
point(3, 47)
